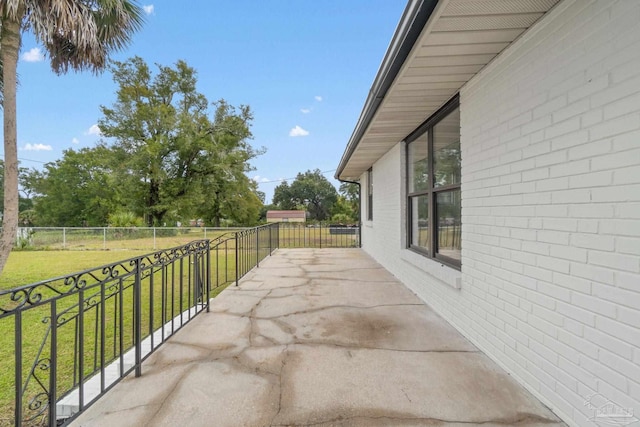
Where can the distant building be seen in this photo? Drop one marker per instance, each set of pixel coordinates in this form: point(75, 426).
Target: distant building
point(286, 216)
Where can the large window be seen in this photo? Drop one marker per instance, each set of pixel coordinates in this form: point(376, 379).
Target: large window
point(433, 186)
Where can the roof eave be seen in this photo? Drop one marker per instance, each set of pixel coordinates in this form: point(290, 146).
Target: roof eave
point(412, 22)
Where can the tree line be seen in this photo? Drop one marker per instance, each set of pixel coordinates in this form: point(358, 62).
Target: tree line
point(167, 156)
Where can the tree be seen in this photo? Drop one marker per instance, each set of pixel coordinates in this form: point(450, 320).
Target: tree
point(77, 190)
point(25, 181)
point(348, 204)
point(76, 34)
point(175, 160)
point(310, 190)
point(283, 198)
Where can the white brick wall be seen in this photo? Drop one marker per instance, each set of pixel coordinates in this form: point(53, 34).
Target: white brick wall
point(550, 281)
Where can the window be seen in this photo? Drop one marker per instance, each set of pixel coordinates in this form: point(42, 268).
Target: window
point(370, 194)
point(433, 186)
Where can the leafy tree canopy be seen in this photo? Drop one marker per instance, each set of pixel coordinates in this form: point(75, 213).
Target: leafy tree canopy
point(310, 191)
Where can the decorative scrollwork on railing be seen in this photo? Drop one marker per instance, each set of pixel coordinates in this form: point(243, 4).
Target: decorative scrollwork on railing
point(12, 300)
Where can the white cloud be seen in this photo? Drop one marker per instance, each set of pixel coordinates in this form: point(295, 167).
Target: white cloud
point(318, 98)
point(38, 147)
point(305, 110)
point(75, 141)
point(93, 130)
point(298, 131)
point(33, 55)
point(259, 178)
point(148, 9)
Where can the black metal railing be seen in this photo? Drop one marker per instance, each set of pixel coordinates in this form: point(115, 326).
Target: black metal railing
point(72, 338)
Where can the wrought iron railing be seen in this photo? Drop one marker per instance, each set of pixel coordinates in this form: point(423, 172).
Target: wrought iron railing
point(74, 337)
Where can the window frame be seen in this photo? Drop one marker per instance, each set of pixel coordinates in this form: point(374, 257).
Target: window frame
point(370, 194)
point(431, 192)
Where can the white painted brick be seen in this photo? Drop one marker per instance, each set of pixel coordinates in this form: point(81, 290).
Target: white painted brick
point(571, 110)
point(612, 97)
point(627, 280)
point(592, 86)
point(536, 174)
point(574, 312)
point(594, 304)
point(604, 373)
point(570, 168)
point(616, 160)
point(623, 106)
point(562, 128)
point(628, 211)
point(615, 261)
point(549, 107)
point(628, 175)
point(619, 364)
point(592, 149)
point(553, 184)
point(614, 127)
point(588, 225)
point(560, 224)
point(621, 227)
point(591, 272)
point(535, 150)
point(618, 193)
point(591, 118)
point(590, 241)
point(595, 179)
point(605, 340)
point(571, 282)
point(627, 245)
point(555, 237)
point(568, 253)
point(553, 158)
point(571, 196)
point(630, 316)
point(554, 291)
point(618, 330)
point(591, 211)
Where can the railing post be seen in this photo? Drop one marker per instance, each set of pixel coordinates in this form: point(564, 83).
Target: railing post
point(53, 365)
point(18, 367)
point(208, 273)
point(257, 247)
point(270, 228)
point(137, 318)
point(64, 238)
point(104, 238)
point(237, 250)
point(154, 238)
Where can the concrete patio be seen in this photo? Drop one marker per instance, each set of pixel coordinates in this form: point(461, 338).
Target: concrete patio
point(322, 337)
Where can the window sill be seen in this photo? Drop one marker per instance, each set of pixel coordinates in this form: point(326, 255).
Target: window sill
point(445, 274)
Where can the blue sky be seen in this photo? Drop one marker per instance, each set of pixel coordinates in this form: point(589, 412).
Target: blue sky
point(303, 66)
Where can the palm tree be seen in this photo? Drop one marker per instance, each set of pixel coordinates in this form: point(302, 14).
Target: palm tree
point(76, 34)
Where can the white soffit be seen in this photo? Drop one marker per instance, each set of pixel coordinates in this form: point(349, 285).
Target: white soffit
point(460, 38)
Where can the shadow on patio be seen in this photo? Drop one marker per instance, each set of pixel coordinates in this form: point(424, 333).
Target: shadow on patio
point(318, 337)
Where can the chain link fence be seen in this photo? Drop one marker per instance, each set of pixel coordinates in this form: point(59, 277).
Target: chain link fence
point(113, 238)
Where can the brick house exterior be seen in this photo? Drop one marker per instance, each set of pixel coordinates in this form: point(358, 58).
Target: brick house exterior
point(545, 278)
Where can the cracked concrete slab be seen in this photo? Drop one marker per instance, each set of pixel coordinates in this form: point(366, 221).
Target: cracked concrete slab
point(318, 337)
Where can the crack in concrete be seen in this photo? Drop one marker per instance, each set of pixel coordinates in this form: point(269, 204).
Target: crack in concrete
point(169, 393)
point(280, 388)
